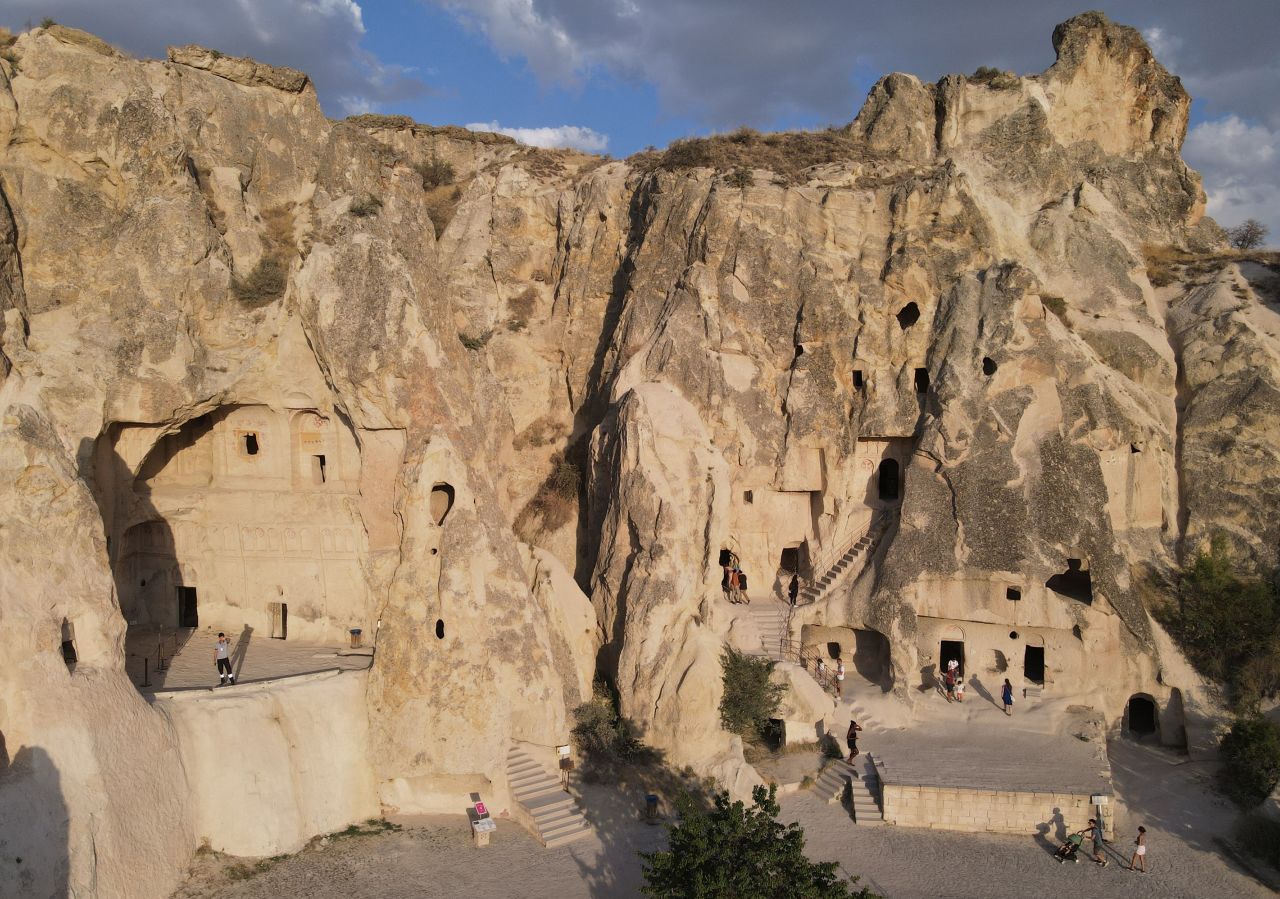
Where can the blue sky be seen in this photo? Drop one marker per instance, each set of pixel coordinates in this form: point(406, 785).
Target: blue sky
point(617, 75)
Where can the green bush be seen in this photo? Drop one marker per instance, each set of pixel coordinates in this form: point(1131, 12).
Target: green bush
point(750, 699)
point(365, 206)
point(565, 479)
point(731, 851)
point(1251, 759)
point(1260, 837)
point(435, 172)
point(264, 285)
point(1228, 624)
point(740, 178)
point(603, 736)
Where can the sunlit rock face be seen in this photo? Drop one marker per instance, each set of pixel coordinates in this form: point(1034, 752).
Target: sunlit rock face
point(506, 422)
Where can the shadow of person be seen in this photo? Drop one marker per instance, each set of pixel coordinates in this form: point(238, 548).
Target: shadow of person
point(1057, 826)
point(241, 650)
point(984, 692)
point(34, 827)
point(928, 679)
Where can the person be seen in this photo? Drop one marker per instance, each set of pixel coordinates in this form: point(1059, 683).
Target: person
point(839, 677)
point(822, 671)
point(1094, 832)
point(851, 738)
point(950, 681)
point(1006, 694)
point(1140, 851)
point(793, 589)
point(221, 657)
point(724, 585)
point(742, 587)
point(959, 687)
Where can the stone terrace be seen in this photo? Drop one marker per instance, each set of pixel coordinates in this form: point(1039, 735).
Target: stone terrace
point(254, 657)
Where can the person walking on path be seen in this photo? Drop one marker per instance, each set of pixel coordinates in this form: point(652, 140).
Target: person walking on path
point(840, 677)
point(1094, 832)
point(1139, 852)
point(950, 681)
point(221, 657)
point(1006, 694)
point(793, 589)
point(851, 739)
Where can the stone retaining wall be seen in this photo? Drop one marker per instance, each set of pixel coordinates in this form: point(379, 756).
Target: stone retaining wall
point(990, 811)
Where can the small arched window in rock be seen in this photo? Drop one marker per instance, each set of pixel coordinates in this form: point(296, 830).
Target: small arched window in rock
point(1013, 594)
point(441, 502)
point(922, 380)
point(989, 366)
point(859, 382)
point(908, 315)
point(439, 628)
point(69, 645)
point(249, 443)
point(1013, 635)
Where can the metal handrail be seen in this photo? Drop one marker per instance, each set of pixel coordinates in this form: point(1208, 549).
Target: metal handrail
point(841, 546)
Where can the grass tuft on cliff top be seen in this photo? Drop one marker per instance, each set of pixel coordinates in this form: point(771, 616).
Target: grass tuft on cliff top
point(786, 153)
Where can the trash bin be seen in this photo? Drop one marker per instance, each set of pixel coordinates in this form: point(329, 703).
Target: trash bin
point(650, 807)
point(355, 637)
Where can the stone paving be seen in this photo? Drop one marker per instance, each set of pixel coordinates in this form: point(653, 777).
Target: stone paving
point(254, 657)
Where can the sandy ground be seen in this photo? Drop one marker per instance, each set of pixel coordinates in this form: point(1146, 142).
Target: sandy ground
point(434, 857)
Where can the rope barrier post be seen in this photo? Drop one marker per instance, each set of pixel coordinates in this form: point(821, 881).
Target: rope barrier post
point(146, 675)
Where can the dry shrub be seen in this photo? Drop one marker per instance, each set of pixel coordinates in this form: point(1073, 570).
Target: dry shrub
point(263, 285)
point(555, 503)
point(996, 79)
point(541, 431)
point(442, 203)
point(786, 153)
point(365, 206)
point(1056, 305)
point(524, 304)
point(435, 172)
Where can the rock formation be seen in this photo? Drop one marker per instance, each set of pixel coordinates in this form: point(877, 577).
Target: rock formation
point(505, 422)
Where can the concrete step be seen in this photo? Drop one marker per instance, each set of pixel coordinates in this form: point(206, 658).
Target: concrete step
point(540, 806)
point(567, 837)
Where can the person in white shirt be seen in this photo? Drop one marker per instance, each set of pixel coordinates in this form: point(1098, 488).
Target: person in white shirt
point(221, 656)
point(839, 677)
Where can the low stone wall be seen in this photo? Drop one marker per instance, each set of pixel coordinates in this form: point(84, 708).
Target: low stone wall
point(270, 765)
point(989, 811)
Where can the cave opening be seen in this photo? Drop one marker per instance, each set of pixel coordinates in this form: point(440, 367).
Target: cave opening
point(442, 496)
point(889, 481)
point(908, 315)
point(922, 380)
point(1074, 583)
point(989, 366)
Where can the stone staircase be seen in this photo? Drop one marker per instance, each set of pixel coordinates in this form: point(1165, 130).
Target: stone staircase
point(542, 804)
point(862, 548)
point(863, 784)
point(770, 618)
point(1032, 691)
point(833, 781)
point(865, 792)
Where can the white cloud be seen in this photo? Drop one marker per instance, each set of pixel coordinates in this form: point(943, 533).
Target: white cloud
point(574, 136)
point(1240, 163)
point(320, 37)
point(1164, 45)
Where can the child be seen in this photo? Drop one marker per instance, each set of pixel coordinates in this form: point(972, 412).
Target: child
point(1140, 852)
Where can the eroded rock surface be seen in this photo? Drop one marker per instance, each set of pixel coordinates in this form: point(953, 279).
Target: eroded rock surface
point(631, 365)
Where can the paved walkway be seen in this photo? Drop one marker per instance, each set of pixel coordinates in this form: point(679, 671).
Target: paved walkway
point(254, 657)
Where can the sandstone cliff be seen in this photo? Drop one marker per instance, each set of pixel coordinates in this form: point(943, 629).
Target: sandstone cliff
point(949, 295)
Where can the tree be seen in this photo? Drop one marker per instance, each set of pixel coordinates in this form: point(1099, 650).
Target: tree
point(1251, 759)
point(749, 700)
point(1249, 235)
point(734, 851)
point(1228, 623)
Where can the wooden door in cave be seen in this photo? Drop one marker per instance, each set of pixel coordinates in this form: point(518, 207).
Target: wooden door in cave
point(187, 616)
